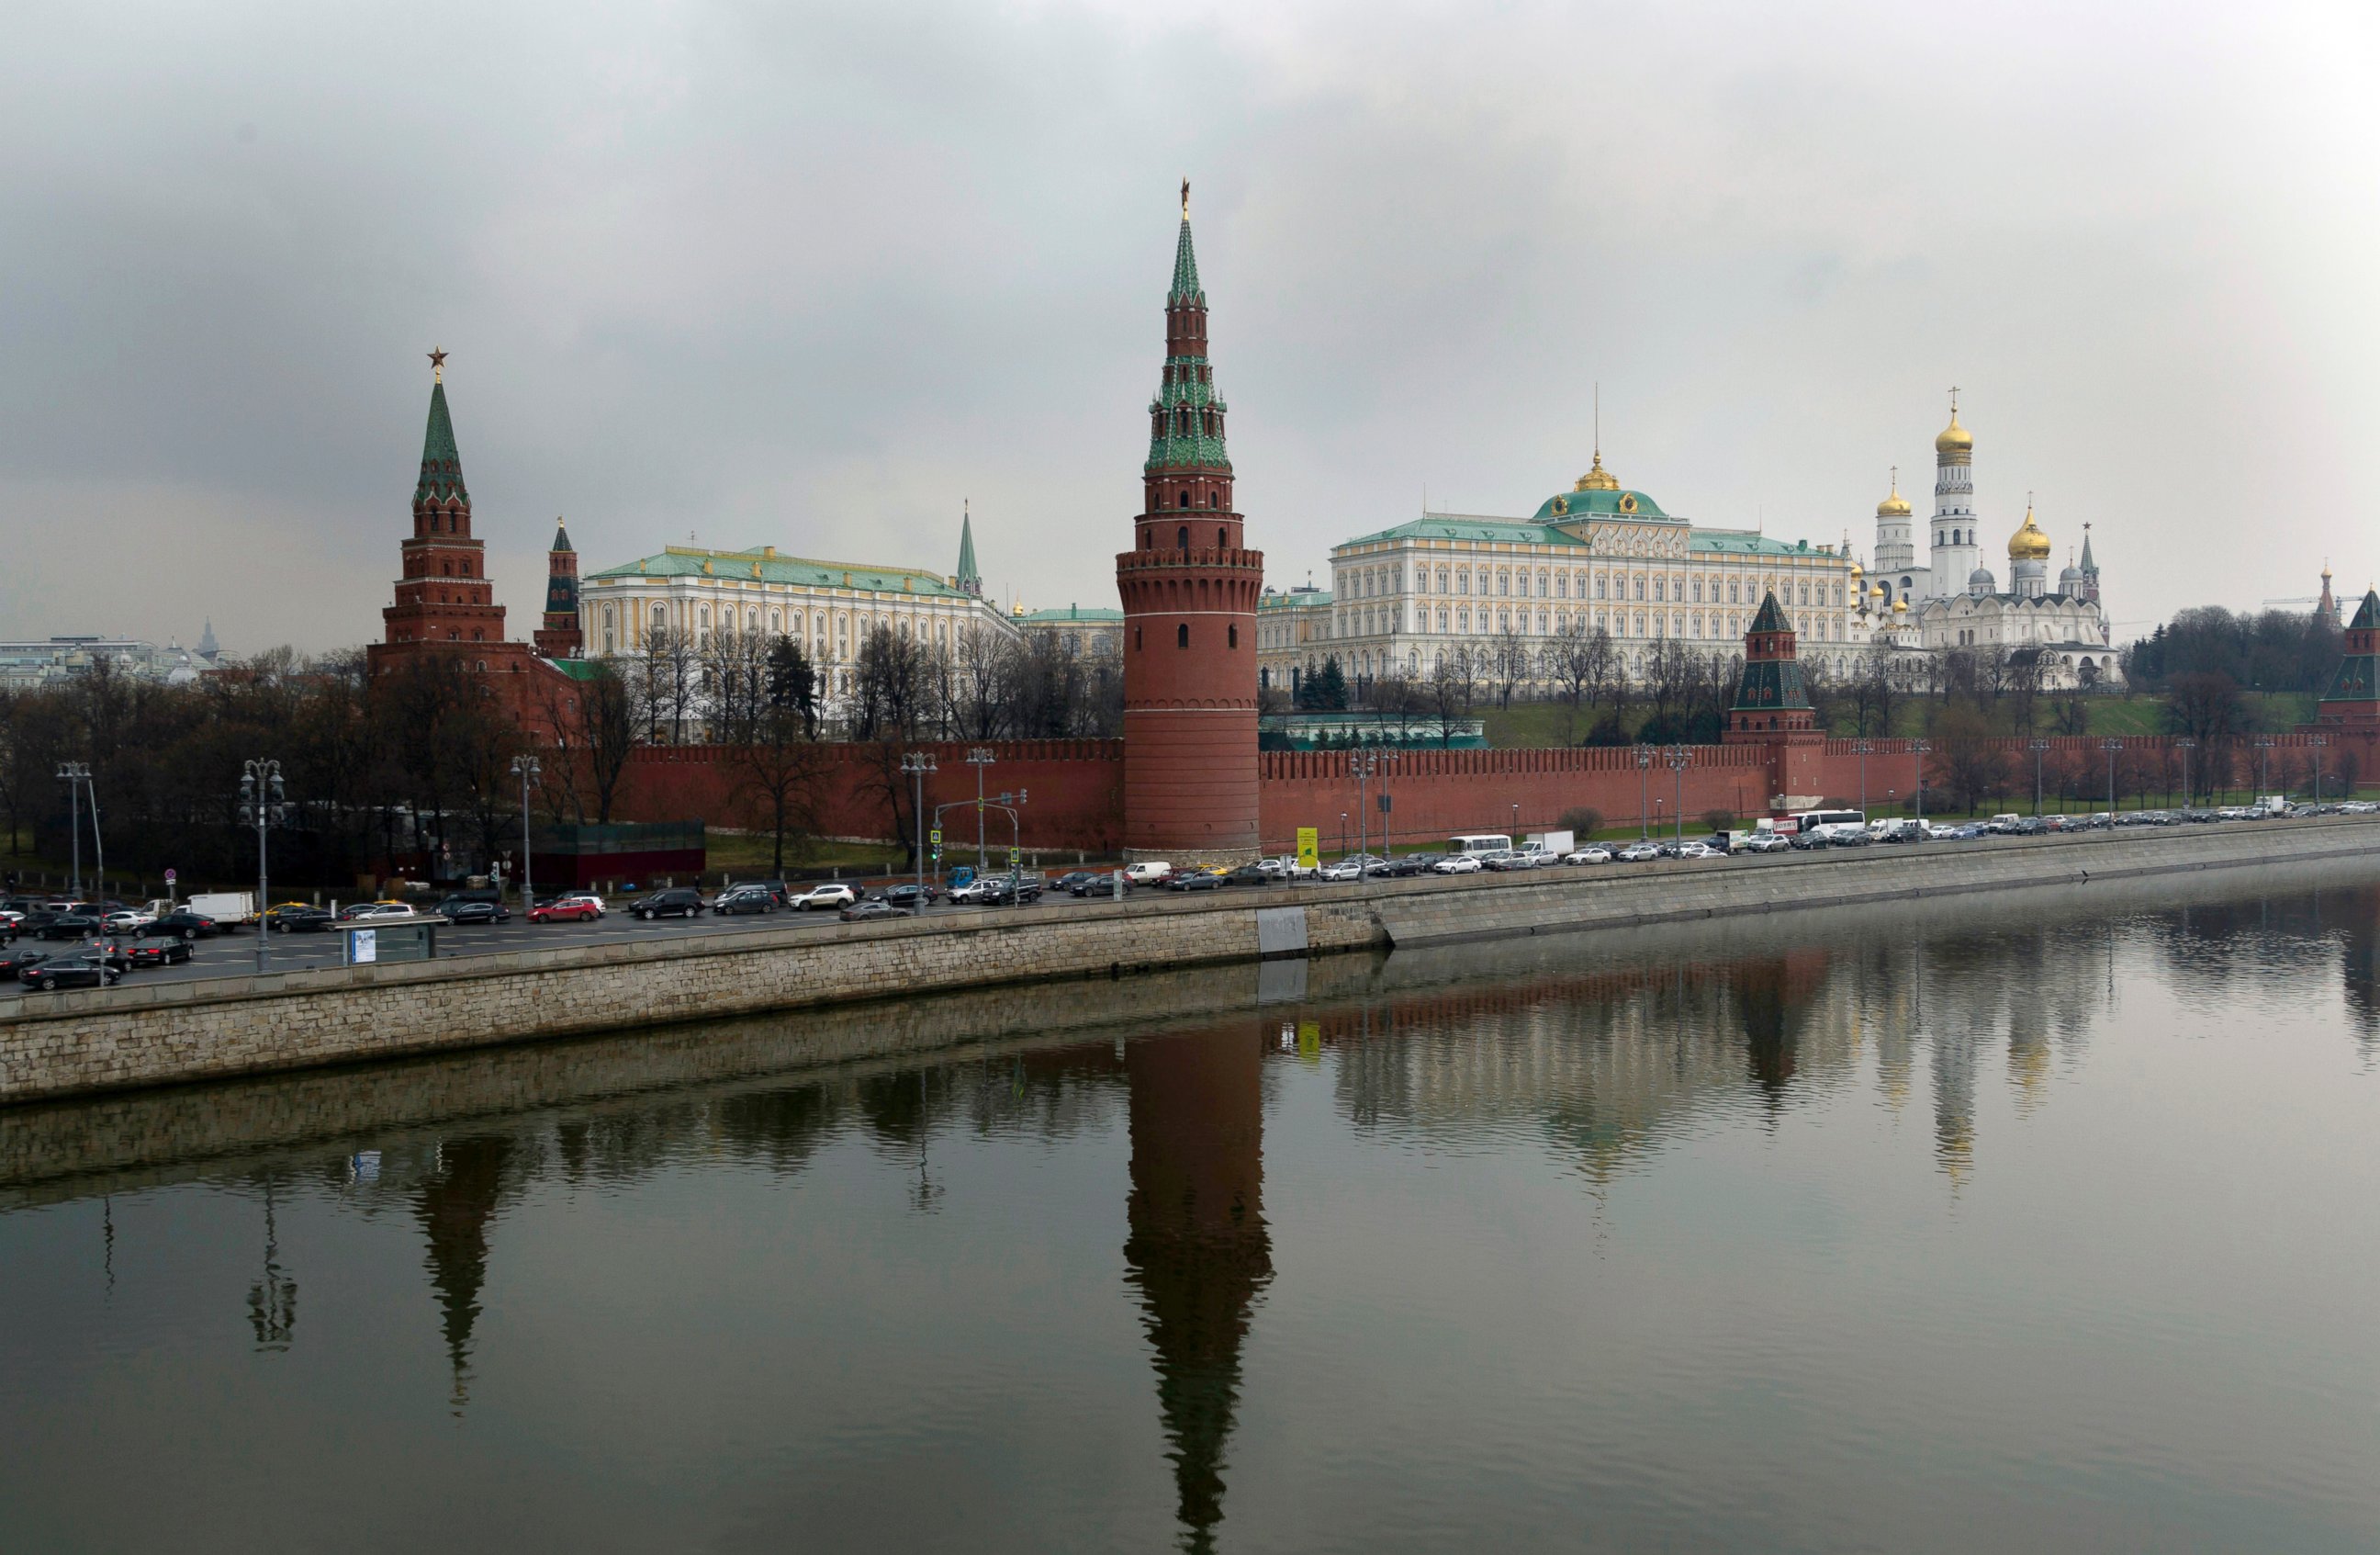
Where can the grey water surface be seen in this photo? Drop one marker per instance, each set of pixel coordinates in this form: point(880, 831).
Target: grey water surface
point(2042, 1220)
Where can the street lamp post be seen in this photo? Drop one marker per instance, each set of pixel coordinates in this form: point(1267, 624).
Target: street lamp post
point(2111, 747)
point(2036, 747)
point(2185, 745)
point(1644, 767)
point(1917, 749)
point(74, 774)
point(979, 757)
point(2263, 744)
point(2317, 741)
point(260, 806)
point(919, 764)
point(1365, 765)
point(1680, 759)
point(1863, 747)
point(526, 767)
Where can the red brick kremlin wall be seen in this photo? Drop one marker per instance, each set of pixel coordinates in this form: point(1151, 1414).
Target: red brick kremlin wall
point(1076, 786)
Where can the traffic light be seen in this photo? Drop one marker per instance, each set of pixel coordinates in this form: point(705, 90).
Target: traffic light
point(248, 799)
point(276, 812)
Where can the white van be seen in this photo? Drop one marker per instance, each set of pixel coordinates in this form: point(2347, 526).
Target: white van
point(1146, 872)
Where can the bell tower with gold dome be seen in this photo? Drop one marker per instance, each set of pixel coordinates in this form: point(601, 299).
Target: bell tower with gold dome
point(1895, 551)
point(2029, 559)
point(1956, 552)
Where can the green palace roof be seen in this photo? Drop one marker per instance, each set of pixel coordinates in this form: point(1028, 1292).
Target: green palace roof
point(1295, 600)
point(762, 564)
point(1599, 504)
point(1528, 531)
point(1094, 614)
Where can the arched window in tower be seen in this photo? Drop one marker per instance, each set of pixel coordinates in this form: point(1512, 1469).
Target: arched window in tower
point(1144, 540)
point(1233, 633)
point(1186, 498)
point(1182, 635)
point(445, 569)
point(1222, 539)
point(1181, 539)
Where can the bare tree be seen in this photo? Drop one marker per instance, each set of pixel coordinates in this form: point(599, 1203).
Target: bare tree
point(781, 774)
point(666, 686)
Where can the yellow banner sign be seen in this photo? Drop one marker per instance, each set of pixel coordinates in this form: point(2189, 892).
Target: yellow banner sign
point(1309, 847)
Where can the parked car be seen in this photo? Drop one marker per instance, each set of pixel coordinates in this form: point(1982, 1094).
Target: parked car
point(1342, 869)
point(1639, 853)
point(873, 907)
point(833, 894)
point(1590, 853)
point(1207, 880)
point(69, 971)
point(127, 920)
point(461, 909)
point(743, 900)
point(1101, 883)
point(565, 910)
point(66, 926)
point(1457, 864)
point(156, 951)
point(1766, 842)
point(1150, 871)
point(1251, 874)
point(293, 918)
point(1700, 850)
point(1073, 878)
point(14, 962)
point(910, 897)
point(1012, 891)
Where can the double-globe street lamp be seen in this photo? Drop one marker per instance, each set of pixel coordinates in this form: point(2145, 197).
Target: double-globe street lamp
point(1917, 751)
point(525, 767)
point(1644, 770)
point(919, 765)
point(2111, 745)
point(2185, 745)
point(2036, 747)
point(262, 805)
point(74, 774)
point(1680, 759)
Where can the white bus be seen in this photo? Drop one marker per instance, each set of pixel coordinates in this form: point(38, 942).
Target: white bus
point(1810, 823)
point(1483, 843)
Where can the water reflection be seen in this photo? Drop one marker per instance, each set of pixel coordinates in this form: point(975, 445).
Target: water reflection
point(1198, 1253)
point(1599, 1053)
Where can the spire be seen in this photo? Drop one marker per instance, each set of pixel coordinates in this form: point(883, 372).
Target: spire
point(1185, 287)
point(970, 580)
point(441, 467)
point(208, 647)
point(2088, 565)
point(561, 535)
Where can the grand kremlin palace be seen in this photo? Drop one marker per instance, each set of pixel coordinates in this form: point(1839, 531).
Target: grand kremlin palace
point(1597, 555)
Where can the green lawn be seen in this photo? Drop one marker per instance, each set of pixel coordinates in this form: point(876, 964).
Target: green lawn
point(1551, 725)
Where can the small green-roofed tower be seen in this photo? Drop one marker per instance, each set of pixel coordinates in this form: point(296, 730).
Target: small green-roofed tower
point(1772, 696)
point(968, 580)
point(2353, 695)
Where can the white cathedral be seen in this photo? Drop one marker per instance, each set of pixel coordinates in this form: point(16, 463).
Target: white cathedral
point(1954, 601)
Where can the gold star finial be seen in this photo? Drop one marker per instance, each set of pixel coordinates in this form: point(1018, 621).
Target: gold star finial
point(437, 364)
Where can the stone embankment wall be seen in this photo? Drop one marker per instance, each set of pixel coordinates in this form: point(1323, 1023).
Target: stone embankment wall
point(164, 1033)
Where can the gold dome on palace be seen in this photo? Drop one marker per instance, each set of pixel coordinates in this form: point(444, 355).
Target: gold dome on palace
point(1901, 607)
point(2029, 544)
point(1858, 571)
point(1598, 479)
point(1955, 439)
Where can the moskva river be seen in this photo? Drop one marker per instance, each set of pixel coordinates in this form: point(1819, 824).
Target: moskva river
point(2041, 1221)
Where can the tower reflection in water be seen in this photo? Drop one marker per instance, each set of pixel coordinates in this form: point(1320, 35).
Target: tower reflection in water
point(1197, 1251)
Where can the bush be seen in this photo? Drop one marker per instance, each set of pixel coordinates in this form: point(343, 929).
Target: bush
point(1719, 820)
point(1583, 820)
point(1607, 731)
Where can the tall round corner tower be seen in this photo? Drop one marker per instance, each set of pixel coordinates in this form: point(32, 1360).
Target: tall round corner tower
point(1189, 586)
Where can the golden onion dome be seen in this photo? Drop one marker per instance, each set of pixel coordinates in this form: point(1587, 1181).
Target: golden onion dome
point(2029, 544)
point(1901, 607)
point(1858, 571)
point(1877, 590)
point(1955, 439)
point(1598, 479)
point(1896, 506)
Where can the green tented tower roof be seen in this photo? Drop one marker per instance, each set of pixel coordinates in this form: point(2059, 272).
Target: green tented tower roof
point(441, 467)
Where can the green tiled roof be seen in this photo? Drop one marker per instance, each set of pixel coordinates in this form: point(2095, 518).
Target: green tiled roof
point(1093, 613)
point(967, 573)
point(1534, 531)
point(2367, 614)
point(576, 669)
point(1770, 684)
point(1744, 542)
point(1186, 287)
point(1573, 505)
point(757, 565)
point(1771, 616)
point(441, 467)
point(1292, 601)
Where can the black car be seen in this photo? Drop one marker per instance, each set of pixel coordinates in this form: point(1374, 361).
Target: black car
point(869, 907)
point(744, 899)
point(909, 896)
point(1011, 891)
point(1248, 874)
point(185, 926)
point(294, 917)
point(1196, 880)
point(13, 963)
point(69, 971)
point(155, 951)
point(680, 900)
point(461, 909)
point(66, 926)
point(1101, 883)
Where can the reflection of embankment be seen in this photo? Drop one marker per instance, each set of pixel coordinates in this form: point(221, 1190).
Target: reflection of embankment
point(1660, 1004)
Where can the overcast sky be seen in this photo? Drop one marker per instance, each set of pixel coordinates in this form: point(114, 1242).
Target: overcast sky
point(810, 275)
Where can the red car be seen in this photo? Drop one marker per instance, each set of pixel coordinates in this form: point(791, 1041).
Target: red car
point(567, 909)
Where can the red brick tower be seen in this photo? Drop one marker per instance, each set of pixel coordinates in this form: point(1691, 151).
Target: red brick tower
point(558, 638)
point(443, 595)
point(1189, 591)
point(1772, 708)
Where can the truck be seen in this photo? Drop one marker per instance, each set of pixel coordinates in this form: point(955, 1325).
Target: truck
point(2273, 803)
point(1546, 848)
point(224, 907)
